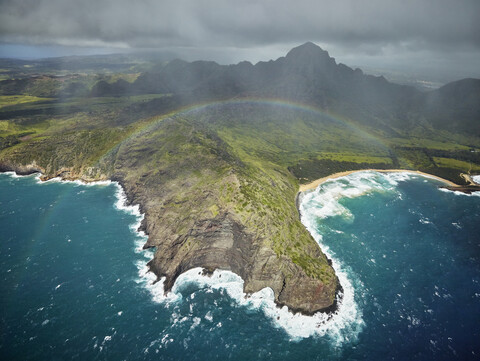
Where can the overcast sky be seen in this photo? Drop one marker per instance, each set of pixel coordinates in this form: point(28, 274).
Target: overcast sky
point(401, 33)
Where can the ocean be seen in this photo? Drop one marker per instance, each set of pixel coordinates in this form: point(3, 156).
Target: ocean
point(74, 283)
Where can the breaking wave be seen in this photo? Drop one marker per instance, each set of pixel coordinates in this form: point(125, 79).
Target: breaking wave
point(343, 325)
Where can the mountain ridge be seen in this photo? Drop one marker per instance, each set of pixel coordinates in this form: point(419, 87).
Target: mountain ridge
point(306, 74)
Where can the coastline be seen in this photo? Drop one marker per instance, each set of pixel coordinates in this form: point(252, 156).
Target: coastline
point(295, 321)
point(317, 182)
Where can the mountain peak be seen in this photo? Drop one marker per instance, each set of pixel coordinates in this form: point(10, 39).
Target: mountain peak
point(308, 49)
point(310, 45)
point(311, 56)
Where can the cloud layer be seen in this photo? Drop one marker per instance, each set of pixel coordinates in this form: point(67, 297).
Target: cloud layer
point(431, 24)
point(433, 35)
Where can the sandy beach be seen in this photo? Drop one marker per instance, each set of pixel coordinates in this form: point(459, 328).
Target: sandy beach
point(317, 182)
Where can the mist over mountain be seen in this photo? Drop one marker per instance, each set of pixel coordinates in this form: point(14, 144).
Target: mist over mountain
point(307, 74)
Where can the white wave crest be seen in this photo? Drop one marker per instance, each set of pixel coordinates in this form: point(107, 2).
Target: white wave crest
point(348, 320)
point(13, 174)
point(343, 325)
point(77, 182)
point(324, 201)
point(338, 326)
point(122, 205)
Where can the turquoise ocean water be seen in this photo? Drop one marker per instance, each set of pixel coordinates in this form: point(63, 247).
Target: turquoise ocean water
point(73, 282)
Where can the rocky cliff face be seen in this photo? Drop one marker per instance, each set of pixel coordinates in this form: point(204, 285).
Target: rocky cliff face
point(207, 203)
point(222, 243)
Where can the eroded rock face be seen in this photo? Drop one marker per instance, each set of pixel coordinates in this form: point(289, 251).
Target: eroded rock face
point(205, 208)
point(222, 243)
point(20, 169)
point(218, 243)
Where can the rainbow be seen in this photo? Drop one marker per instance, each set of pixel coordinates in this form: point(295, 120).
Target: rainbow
point(291, 105)
point(348, 124)
point(44, 222)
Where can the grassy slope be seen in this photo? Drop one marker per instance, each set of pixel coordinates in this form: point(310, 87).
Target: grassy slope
point(313, 146)
point(7, 100)
point(68, 135)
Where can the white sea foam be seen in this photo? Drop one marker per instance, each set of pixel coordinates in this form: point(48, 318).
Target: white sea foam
point(424, 220)
point(394, 177)
point(324, 201)
point(53, 180)
point(476, 179)
point(13, 174)
point(343, 325)
point(347, 322)
point(145, 277)
point(60, 180)
point(338, 326)
point(121, 202)
point(77, 182)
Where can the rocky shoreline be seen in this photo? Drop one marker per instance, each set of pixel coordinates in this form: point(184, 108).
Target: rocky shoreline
point(21, 170)
point(221, 242)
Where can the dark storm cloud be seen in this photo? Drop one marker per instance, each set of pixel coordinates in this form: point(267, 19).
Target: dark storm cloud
point(216, 23)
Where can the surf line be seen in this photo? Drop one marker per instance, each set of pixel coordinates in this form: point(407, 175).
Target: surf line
point(341, 326)
point(314, 184)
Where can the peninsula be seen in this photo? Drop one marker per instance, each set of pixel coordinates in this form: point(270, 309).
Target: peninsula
point(214, 155)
